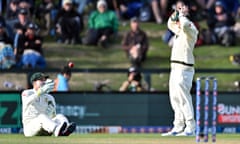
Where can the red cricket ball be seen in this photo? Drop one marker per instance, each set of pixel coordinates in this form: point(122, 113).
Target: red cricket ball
point(71, 64)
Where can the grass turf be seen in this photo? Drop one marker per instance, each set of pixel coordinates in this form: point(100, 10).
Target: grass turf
point(112, 139)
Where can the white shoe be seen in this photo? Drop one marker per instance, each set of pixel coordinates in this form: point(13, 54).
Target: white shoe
point(170, 133)
point(173, 132)
point(189, 130)
point(184, 133)
point(59, 129)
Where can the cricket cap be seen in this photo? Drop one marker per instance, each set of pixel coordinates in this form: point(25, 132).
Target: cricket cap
point(134, 19)
point(38, 76)
point(67, 2)
point(23, 11)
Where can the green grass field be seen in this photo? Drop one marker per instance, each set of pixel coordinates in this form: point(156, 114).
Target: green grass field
point(112, 139)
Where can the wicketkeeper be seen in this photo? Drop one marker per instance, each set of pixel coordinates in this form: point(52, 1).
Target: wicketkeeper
point(39, 110)
point(182, 71)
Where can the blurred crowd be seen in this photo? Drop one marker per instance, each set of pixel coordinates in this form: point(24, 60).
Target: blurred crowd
point(25, 23)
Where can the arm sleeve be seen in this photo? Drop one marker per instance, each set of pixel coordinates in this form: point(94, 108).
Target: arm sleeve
point(58, 16)
point(91, 23)
point(187, 26)
point(125, 44)
point(28, 97)
point(115, 22)
point(145, 43)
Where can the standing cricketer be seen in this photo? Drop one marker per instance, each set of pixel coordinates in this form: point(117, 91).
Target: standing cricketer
point(182, 71)
point(39, 110)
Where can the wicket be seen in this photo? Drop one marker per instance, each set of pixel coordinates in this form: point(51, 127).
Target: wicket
point(207, 92)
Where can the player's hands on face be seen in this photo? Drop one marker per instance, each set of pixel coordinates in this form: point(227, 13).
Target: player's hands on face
point(183, 10)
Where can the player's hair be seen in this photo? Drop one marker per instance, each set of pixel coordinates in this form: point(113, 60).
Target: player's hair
point(188, 4)
point(185, 2)
point(66, 70)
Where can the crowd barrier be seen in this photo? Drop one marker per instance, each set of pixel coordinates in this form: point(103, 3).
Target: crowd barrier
point(115, 112)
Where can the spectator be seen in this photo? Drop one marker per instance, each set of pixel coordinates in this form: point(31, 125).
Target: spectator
point(81, 5)
point(27, 4)
point(39, 115)
point(159, 8)
point(44, 15)
point(61, 82)
point(12, 10)
point(114, 6)
point(2, 20)
point(206, 4)
point(1, 8)
point(31, 44)
point(133, 83)
point(12, 17)
point(135, 43)
point(4, 38)
point(102, 23)
point(69, 23)
point(7, 58)
point(129, 8)
point(20, 29)
point(220, 23)
point(231, 6)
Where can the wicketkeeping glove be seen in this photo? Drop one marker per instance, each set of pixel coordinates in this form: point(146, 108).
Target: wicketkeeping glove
point(47, 87)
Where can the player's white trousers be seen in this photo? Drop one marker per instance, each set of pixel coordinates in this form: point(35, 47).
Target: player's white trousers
point(180, 84)
point(43, 122)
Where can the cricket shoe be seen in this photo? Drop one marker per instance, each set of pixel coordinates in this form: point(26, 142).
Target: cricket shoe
point(70, 129)
point(173, 132)
point(184, 133)
point(59, 129)
point(189, 130)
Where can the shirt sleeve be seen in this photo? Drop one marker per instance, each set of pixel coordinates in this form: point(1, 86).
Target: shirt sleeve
point(172, 25)
point(115, 21)
point(28, 97)
point(187, 26)
point(145, 43)
point(125, 42)
point(91, 21)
